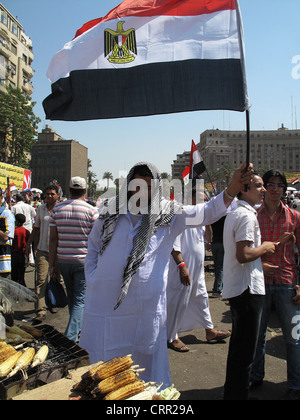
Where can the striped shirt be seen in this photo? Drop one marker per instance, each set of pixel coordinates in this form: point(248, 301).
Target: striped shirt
point(73, 220)
point(288, 221)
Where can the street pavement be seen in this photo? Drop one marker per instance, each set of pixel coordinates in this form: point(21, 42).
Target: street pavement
point(200, 373)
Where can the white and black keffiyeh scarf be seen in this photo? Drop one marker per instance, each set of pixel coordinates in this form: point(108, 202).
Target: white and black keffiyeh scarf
point(160, 213)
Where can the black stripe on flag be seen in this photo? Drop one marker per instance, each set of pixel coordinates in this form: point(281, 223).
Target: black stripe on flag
point(198, 168)
point(158, 88)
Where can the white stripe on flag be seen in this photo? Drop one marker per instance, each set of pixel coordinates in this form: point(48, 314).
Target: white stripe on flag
point(159, 39)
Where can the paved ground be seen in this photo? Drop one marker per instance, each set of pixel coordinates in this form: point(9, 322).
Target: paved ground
point(199, 374)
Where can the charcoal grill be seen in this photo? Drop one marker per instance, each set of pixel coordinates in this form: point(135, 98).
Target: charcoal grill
point(63, 356)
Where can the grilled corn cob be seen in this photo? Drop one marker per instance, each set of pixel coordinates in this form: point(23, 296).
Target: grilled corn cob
point(90, 373)
point(36, 333)
point(9, 364)
point(114, 382)
point(126, 391)
point(16, 330)
point(86, 379)
point(23, 361)
point(16, 338)
point(40, 356)
point(113, 366)
point(6, 352)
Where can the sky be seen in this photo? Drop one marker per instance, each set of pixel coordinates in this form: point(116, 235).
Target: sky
point(272, 49)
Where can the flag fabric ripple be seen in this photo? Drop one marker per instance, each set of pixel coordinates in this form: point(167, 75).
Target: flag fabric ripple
point(151, 57)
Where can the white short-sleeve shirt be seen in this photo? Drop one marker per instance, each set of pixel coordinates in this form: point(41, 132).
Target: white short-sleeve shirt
point(241, 225)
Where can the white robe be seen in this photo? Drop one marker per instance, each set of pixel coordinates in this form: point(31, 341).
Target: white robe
point(187, 306)
point(138, 326)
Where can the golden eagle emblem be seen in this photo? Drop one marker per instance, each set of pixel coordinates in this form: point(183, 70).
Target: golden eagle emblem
point(118, 44)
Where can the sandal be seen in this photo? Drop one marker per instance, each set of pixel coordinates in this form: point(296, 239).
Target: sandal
point(220, 336)
point(178, 345)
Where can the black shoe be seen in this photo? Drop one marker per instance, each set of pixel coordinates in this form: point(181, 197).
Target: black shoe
point(39, 319)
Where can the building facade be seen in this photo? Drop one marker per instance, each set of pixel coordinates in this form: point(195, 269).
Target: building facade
point(16, 54)
point(269, 149)
point(53, 157)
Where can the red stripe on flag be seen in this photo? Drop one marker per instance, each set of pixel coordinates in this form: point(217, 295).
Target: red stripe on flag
point(193, 150)
point(186, 172)
point(145, 8)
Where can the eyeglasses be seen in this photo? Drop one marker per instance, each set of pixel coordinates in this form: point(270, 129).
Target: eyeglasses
point(272, 185)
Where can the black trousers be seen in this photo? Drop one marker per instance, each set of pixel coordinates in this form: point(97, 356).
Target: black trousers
point(18, 267)
point(246, 311)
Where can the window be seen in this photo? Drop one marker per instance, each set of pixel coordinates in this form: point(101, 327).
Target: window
point(3, 65)
point(14, 28)
point(25, 58)
point(14, 49)
point(4, 18)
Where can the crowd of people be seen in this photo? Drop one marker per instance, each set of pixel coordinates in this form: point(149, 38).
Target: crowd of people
point(133, 269)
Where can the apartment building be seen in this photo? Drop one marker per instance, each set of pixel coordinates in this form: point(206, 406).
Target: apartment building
point(16, 54)
point(269, 149)
point(53, 157)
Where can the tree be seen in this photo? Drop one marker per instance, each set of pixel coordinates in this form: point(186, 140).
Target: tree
point(92, 180)
point(107, 176)
point(165, 175)
point(18, 126)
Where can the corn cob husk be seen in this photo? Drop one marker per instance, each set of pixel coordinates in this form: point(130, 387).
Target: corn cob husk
point(36, 333)
point(9, 364)
point(23, 362)
point(114, 382)
point(170, 393)
point(113, 366)
point(149, 393)
point(40, 356)
point(16, 338)
point(16, 330)
point(126, 391)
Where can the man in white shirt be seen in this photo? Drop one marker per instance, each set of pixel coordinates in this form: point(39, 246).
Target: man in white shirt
point(126, 269)
point(26, 209)
point(40, 239)
point(244, 286)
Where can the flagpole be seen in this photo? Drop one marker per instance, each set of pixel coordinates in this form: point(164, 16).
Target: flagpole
point(248, 142)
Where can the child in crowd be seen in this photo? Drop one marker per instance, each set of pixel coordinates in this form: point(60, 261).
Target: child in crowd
point(18, 260)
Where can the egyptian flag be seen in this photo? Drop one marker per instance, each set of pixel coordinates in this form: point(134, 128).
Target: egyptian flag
point(151, 57)
point(295, 181)
point(186, 175)
point(197, 166)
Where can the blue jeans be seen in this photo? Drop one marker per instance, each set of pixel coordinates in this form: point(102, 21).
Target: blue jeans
point(74, 278)
point(289, 317)
point(217, 250)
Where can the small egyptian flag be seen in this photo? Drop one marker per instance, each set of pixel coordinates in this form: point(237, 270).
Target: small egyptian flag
point(296, 181)
point(186, 175)
point(197, 166)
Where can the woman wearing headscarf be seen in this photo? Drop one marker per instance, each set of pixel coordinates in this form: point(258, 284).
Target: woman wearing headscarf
point(127, 268)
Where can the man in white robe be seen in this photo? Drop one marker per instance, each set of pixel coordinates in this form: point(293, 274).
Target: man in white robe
point(127, 265)
point(187, 298)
